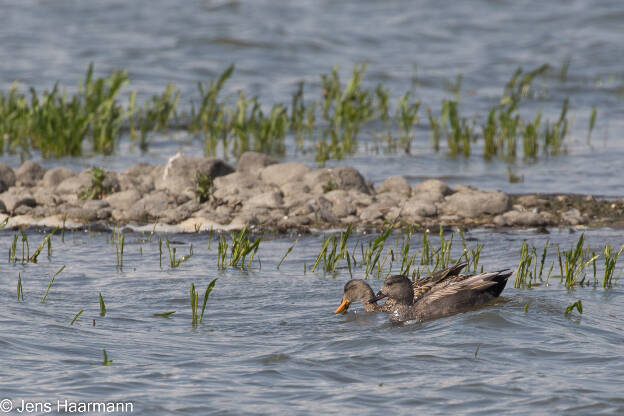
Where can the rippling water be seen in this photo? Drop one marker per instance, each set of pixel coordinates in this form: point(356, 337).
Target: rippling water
point(274, 46)
point(269, 342)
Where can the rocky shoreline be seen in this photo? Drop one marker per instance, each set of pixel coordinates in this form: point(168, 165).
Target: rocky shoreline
point(199, 194)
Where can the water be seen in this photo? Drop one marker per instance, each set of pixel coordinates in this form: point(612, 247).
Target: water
point(269, 342)
point(274, 46)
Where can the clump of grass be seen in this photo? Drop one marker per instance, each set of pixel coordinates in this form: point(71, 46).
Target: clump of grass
point(203, 187)
point(173, 261)
point(572, 263)
point(331, 256)
point(198, 318)
point(578, 305)
point(242, 247)
point(98, 188)
point(610, 259)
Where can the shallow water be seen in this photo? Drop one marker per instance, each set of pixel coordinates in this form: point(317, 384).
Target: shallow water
point(274, 46)
point(269, 342)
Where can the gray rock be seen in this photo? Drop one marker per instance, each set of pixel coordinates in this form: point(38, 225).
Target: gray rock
point(123, 200)
point(155, 204)
point(178, 175)
point(473, 203)
point(271, 199)
point(523, 219)
point(75, 184)
point(45, 196)
point(295, 189)
point(281, 173)
point(29, 173)
point(573, 217)
point(23, 210)
point(395, 185)
point(434, 186)
point(16, 197)
point(96, 205)
point(341, 203)
point(7, 177)
point(324, 180)
point(2, 207)
point(252, 163)
point(415, 209)
point(53, 177)
point(178, 214)
point(375, 211)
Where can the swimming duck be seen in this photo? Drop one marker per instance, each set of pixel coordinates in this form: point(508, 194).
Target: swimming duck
point(357, 290)
point(449, 296)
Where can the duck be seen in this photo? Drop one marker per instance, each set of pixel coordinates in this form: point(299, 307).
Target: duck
point(357, 290)
point(447, 297)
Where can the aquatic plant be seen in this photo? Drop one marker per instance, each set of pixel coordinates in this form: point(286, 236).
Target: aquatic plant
point(106, 361)
point(102, 306)
point(45, 295)
point(287, 253)
point(20, 288)
point(197, 318)
point(173, 261)
point(97, 189)
point(164, 314)
point(578, 305)
point(203, 187)
point(242, 246)
point(76, 317)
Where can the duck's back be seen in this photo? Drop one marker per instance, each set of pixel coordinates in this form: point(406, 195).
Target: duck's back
point(454, 295)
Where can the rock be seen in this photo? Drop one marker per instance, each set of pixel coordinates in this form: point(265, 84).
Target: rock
point(155, 203)
point(29, 173)
point(178, 214)
point(473, 203)
point(395, 185)
point(3, 208)
point(523, 218)
point(271, 199)
point(341, 203)
point(53, 177)
point(178, 175)
point(236, 188)
point(7, 177)
point(96, 205)
point(252, 163)
point(45, 196)
point(325, 180)
point(282, 173)
point(123, 200)
point(16, 197)
point(415, 209)
point(75, 184)
point(573, 217)
point(295, 189)
point(434, 186)
point(375, 211)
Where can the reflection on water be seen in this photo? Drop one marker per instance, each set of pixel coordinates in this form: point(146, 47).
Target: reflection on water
point(270, 343)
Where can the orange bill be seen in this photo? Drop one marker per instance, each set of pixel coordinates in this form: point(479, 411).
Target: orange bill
point(343, 306)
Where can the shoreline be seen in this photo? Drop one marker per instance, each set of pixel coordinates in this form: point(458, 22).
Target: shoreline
point(193, 194)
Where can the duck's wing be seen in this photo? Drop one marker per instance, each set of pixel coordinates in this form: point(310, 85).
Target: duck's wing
point(463, 292)
point(426, 284)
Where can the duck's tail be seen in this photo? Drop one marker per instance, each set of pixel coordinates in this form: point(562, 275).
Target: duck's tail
point(499, 280)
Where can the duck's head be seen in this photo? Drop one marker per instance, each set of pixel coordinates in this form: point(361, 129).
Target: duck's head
point(397, 287)
point(355, 290)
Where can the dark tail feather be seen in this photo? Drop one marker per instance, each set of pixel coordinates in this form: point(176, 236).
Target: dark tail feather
point(501, 282)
